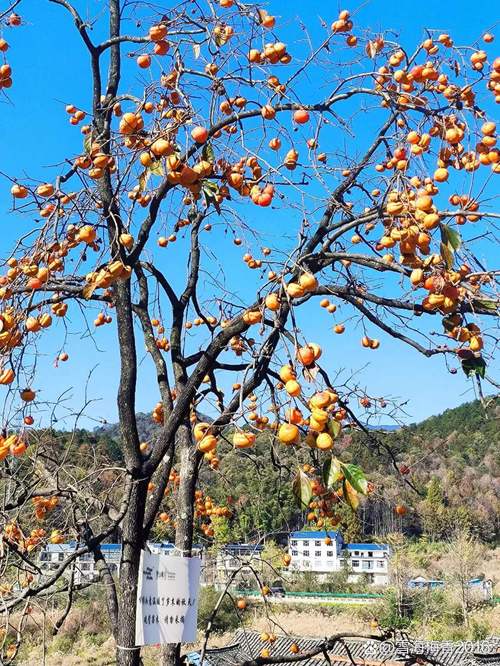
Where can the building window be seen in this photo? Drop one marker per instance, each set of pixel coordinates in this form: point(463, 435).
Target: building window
point(295, 553)
point(317, 553)
point(329, 553)
point(60, 557)
point(370, 554)
point(293, 542)
point(85, 566)
point(317, 543)
point(306, 553)
point(356, 552)
point(305, 542)
point(44, 557)
point(380, 565)
point(355, 563)
point(367, 565)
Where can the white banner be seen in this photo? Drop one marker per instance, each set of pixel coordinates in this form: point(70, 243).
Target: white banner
point(167, 599)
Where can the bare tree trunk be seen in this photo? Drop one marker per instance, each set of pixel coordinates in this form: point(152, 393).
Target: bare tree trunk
point(184, 515)
point(126, 654)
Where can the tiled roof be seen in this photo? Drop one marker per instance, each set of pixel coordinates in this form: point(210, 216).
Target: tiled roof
point(247, 645)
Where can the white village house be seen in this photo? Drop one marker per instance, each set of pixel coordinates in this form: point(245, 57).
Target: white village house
point(85, 569)
point(235, 558)
point(319, 552)
point(325, 552)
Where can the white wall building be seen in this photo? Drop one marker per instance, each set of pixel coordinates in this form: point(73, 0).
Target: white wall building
point(53, 555)
point(234, 560)
point(310, 551)
point(371, 559)
point(325, 552)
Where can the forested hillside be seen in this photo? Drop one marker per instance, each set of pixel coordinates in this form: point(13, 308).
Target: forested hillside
point(452, 461)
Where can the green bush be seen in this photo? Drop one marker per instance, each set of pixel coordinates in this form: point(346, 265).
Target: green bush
point(226, 618)
point(390, 614)
point(335, 582)
point(430, 612)
point(62, 643)
point(479, 631)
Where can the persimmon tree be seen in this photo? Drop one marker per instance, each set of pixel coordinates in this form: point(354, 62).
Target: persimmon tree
point(347, 172)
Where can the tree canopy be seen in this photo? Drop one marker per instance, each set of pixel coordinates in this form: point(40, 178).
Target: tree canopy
point(203, 127)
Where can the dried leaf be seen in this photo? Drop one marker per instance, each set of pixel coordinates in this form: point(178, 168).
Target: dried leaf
point(371, 49)
point(311, 373)
point(143, 180)
point(88, 290)
point(87, 143)
point(350, 495)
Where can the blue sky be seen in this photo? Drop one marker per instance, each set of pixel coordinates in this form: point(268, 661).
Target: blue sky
point(50, 69)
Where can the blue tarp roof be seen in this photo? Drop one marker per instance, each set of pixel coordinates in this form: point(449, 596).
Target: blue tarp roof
point(245, 547)
point(315, 535)
point(169, 546)
point(367, 546)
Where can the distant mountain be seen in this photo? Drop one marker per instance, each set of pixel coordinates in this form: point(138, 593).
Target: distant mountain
point(145, 425)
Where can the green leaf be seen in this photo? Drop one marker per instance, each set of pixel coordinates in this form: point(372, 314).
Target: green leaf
point(356, 477)
point(220, 39)
point(487, 305)
point(210, 190)
point(334, 428)
point(211, 186)
point(331, 472)
point(156, 168)
point(302, 489)
point(350, 495)
point(447, 255)
point(207, 152)
point(451, 237)
point(476, 365)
